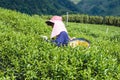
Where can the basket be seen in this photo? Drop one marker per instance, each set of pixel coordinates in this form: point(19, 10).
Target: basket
point(79, 42)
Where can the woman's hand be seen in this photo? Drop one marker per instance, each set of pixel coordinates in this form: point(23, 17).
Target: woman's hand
point(71, 38)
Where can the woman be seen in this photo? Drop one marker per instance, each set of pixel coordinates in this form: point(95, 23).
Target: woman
point(59, 32)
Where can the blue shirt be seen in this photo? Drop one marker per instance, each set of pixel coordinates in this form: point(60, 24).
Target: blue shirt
point(62, 39)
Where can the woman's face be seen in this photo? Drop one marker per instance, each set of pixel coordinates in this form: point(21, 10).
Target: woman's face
point(50, 23)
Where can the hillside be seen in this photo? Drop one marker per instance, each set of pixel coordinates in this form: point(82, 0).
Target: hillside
point(24, 55)
point(100, 7)
point(60, 7)
point(52, 7)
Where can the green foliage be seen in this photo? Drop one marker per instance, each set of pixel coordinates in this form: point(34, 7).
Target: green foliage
point(26, 56)
point(77, 18)
point(100, 7)
point(40, 7)
point(60, 7)
point(110, 20)
point(107, 20)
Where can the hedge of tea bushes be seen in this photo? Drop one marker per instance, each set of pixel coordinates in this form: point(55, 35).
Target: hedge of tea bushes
point(107, 20)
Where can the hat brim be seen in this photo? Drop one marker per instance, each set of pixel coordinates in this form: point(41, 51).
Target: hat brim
point(49, 23)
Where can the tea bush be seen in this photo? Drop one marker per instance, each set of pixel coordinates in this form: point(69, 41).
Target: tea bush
point(82, 18)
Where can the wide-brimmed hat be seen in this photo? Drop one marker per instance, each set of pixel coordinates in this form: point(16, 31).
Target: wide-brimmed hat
point(53, 20)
